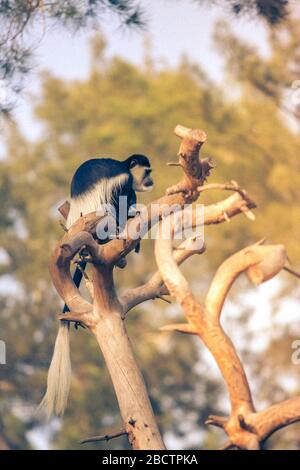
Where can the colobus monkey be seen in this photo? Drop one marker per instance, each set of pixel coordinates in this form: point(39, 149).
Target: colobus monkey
point(96, 185)
point(101, 181)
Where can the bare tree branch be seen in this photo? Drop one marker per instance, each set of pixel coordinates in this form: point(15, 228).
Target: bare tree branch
point(252, 259)
point(275, 417)
point(106, 437)
point(245, 428)
point(213, 214)
point(292, 271)
point(155, 288)
point(207, 329)
point(59, 264)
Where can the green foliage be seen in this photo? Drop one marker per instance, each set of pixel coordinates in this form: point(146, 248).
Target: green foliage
point(118, 110)
point(19, 18)
point(273, 11)
point(271, 76)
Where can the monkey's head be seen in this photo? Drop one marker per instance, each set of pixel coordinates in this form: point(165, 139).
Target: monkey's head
point(140, 169)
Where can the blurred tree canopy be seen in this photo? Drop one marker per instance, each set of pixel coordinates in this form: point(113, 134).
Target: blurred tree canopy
point(118, 110)
point(19, 18)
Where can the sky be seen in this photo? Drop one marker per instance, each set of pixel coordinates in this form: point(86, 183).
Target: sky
point(174, 28)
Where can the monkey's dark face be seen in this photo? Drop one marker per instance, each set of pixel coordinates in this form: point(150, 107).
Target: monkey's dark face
point(140, 169)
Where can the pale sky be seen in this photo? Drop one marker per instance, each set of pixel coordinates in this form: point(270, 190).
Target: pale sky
point(174, 28)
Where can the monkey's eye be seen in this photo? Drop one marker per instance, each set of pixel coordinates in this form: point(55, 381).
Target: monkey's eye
point(148, 171)
point(133, 163)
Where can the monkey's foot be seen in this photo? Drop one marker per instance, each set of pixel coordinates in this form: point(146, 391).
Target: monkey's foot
point(122, 263)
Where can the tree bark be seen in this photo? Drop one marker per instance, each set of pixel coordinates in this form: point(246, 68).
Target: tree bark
point(110, 332)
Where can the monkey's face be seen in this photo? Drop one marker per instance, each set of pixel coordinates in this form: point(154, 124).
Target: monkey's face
point(141, 174)
point(142, 180)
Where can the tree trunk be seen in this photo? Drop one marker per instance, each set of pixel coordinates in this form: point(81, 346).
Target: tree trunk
point(132, 396)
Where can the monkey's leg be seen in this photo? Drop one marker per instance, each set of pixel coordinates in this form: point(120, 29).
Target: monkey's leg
point(77, 280)
point(133, 212)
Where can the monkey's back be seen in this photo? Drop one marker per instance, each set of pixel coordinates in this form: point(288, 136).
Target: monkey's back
point(93, 171)
point(96, 183)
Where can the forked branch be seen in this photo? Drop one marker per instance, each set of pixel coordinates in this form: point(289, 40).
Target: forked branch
point(245, 428)
point(213, 214)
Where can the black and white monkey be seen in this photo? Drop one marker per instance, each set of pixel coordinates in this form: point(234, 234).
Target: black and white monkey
point(97, 185)
point(106, 185)
point(101, 181)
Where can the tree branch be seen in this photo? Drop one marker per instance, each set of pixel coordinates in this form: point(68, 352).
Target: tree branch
point(106, 437)
point(213, 214)
point(261, 262)
point(155, 288)
point(59, 264)
point(195, 173)
point(211, 333)
point(275, 417)
point(245, 428)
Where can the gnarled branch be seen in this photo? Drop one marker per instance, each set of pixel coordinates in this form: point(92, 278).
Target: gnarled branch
point(213, 214)
point(245, 428)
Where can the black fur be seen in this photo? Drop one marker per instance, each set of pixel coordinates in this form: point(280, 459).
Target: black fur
point(91, 173)
point(94, 170)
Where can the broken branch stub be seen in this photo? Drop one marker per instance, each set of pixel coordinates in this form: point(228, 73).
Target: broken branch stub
point(273, 261)
point(195, 170)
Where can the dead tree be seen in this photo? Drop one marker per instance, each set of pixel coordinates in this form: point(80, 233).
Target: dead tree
point(105, 315)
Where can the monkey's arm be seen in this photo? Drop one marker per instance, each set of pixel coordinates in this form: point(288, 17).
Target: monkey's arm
point(132, 212)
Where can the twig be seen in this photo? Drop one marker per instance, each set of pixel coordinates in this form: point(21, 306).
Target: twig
point(63, 226)
point(218, 421)
point(292, 272)
point(106, 437)
point(161, 297)
point(64, 209)
point(232, 186)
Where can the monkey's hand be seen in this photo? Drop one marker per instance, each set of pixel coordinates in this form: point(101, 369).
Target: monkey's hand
point(122, 263)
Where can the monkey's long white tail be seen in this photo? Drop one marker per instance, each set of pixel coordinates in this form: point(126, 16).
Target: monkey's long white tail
point(59, 374)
